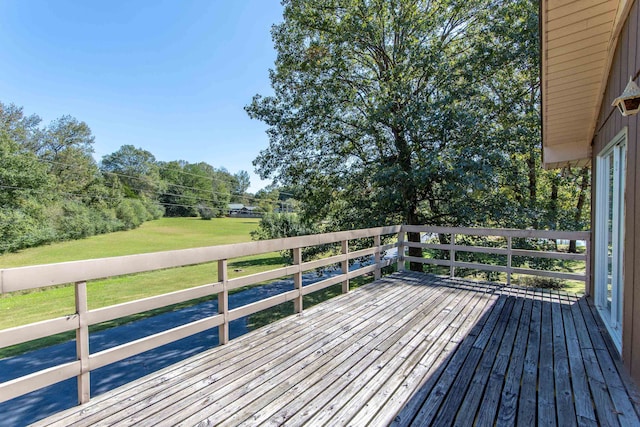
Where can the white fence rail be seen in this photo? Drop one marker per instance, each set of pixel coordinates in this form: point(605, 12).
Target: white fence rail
point(80, 272)
point(452, 248)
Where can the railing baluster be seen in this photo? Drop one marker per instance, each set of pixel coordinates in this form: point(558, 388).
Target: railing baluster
point(223, 302)
point(587, 267)
point(509, 253)
point(82, 343)
point(376, 257)
point(297, 280)
point(452, 256)
point(401, 237)
point(345, 266)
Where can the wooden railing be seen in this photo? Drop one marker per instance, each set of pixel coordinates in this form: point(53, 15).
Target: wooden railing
point(80, 272)
point(453, 247)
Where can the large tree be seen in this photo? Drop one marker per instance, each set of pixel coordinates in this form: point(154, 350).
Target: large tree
point(379, 111)
point(136, 169)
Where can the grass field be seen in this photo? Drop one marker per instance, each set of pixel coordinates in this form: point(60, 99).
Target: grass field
point(164, 234)
point(153, 236)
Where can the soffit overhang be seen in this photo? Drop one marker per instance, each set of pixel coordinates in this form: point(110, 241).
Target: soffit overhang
point(578, 40)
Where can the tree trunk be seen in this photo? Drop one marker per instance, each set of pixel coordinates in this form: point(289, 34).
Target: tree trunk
point(582, 196)
point(412, 219)
point(533, 185)
point(409, 193)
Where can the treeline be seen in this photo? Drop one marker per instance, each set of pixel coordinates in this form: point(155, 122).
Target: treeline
point(52, 189)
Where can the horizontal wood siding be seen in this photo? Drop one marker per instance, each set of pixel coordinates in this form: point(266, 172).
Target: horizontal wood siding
point(626, 63)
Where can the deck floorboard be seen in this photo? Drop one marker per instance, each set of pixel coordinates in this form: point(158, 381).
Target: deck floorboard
point(408, 349)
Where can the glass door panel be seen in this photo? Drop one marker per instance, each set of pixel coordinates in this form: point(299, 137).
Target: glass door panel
point(609, 226)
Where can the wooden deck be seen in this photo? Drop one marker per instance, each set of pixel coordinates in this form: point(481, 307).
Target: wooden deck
point(407, 349)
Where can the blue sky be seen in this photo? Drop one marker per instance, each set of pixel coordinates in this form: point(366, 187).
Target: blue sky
point(171, 77)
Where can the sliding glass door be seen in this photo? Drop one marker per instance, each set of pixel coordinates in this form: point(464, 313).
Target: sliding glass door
point(609, 241)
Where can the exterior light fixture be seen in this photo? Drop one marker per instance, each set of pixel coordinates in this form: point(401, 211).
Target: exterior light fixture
point(629, 102)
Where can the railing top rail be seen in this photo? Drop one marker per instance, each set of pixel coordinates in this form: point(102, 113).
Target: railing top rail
point(502, 232)
point(38, 276)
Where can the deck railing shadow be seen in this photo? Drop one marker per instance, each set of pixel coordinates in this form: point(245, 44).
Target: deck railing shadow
point(536, 357)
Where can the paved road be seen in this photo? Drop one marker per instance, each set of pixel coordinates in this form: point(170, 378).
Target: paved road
point(41, 403)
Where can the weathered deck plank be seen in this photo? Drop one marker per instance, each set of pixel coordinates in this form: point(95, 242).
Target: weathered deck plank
point(409, 349)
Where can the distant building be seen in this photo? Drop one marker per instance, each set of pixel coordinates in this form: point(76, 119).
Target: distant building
point(239, 210)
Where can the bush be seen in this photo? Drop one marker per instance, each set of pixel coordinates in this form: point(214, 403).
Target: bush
point(155, 210)
point(206, 212)
point(19, 230)
point(542, 282)
point(279, 225)
point(74, 221)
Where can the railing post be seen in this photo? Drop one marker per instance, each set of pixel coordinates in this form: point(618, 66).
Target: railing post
point(297, 280)
point(345, 266)
point(509, 243)
point(82, 343)
point(587, 266)
point(223, 301)
point(401, 237)
point(376, 257)
point(452, 256)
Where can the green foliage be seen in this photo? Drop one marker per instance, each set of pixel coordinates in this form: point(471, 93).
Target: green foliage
point(191, 185)
point(136, 169)
point(206, 212)
point(20, 230)
point(413, 112)
point(541, 282)
point(279, 225)
point(132, 213)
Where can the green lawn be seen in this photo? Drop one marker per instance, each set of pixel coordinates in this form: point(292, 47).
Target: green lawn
point(153, 236)
point(164, 234)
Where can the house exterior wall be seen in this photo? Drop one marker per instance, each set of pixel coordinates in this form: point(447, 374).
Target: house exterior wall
point(626, 63)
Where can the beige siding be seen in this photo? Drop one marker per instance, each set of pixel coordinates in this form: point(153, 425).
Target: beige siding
point(626, 63)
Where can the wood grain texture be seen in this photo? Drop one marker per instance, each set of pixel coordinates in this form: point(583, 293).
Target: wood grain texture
point(408, 349)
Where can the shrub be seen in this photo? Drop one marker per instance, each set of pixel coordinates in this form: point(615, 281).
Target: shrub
point(542, 282)
point(206, 212)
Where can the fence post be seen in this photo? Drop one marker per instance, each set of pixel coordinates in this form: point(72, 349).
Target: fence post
point(587, 266)
point(509, 244)
point(376, 257)
point(452, 256)
point(345, 266)
point(223, 302)
point(297, 280)
point(401, 236)
point(82, 343)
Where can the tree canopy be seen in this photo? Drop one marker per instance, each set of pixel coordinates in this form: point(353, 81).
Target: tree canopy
point(52, 189)
point(420, 112)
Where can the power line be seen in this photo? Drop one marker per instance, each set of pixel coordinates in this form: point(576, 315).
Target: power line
point(212, 179)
